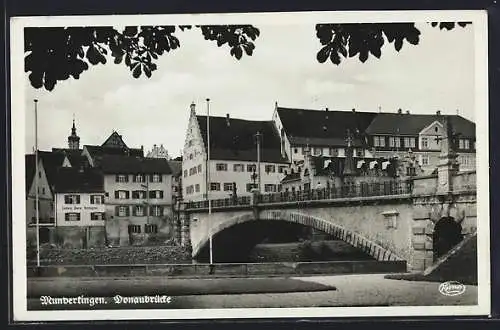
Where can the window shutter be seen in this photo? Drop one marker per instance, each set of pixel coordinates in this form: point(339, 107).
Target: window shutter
point(151, 210)
point(160, 177)
point(91, 199)
point(161, 210)
point(134, 211)
point(77, 199)
point(151, 178)
point(117, 210)
point(127, 194)
point(102, 199)
point(117, 194)
point(133, 177)
point(127, 211)
point(66, 199)
point(161, 193)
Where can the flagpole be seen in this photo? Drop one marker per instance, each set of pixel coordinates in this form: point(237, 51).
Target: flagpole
point(208, 184)
point(36, 188)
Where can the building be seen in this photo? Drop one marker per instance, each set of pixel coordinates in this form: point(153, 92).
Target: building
point(158, 152)
point(323, 132)
point(114, 145)
point(399, 132)
point(138, 199)
point(79, 208)
point(375, 135)
point(233, 157)
point(176, 167)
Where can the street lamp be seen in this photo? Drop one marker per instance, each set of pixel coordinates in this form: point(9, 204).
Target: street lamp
point(36, 188)
point(258, 138)
point(208, 185)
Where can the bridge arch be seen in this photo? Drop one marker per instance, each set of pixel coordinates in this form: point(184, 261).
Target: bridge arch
point(357, 240)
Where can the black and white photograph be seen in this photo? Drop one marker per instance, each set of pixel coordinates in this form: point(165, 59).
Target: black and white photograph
point(253, 165)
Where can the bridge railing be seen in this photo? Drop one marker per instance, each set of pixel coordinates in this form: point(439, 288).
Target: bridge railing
point(388, 188)
point(224, 202)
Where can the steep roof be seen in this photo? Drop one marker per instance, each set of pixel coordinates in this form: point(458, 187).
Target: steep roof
point(74, 156)
point(70, 179)
point(97, 152)
point(234, 139)
point(176, 167)
point(413, 124)
point(51, 161)
point(322, 127)
point(119, 164)
point(114, 140)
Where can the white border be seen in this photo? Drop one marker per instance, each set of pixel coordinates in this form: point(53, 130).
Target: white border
point(479, 19)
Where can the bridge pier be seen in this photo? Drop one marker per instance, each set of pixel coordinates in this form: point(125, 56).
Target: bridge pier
point(184, 228)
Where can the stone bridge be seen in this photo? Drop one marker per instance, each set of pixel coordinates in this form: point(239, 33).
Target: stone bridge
point(406, 220)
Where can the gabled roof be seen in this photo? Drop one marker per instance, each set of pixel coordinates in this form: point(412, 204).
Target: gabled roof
point(322, 127)
point(51, 161)
point(176, 167)
point(74, 156)
point(97, 152)
point(413, 124)
point(234, 139)
point(119, 164)
point(115, 140)
point(70, 179)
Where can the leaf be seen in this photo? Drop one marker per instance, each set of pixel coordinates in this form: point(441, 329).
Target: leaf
point(238, 53)
point(147, 71)
point(130, 31)
point(363, 56)
point(334, 57)
point(398, 44)
point(323, 54)
point(376, 51)
point(136, 72)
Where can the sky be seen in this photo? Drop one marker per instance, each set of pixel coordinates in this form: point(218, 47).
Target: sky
point(437, 74)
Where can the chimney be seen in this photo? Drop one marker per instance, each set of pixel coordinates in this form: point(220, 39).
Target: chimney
point(400, 111)
point(193, 107)
point(353, 109)
point(227, 120)
point(142, 147)
point(438, 112)
point(326, 109)
point(407, 112)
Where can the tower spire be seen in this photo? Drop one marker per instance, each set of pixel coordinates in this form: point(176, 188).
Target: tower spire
point(73, 139)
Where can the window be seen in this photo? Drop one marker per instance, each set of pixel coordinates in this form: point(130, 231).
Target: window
point(138, 210)
point(463, 144)
point(270, 188)
point(122, 211)
point(191, 171)
point(281, 169)
point(151, 228)
point(221, 167)
point(398, 142)
point(270, 169)
point(72, 199)
point(228, 186)
point(392, 142)
point(72, 216)
point(251, 168)
point(121, 194)
point(197, 187)
point(238, 168)
point(156, 211)
point(295, 150)
point(359, 152)
point(43, 190)
point(138, 194)
point(134, 229)
point(156, 178)
point(411, 171)
point(39, 174)
point(334, 152)
point(190, 156)
point(96, 199)
point(189, 190)
point(251, 186)
point(121, 178)
point(317, 151)
point(425, 160)
point(138, 178)
point(379, 141)
point(156, 194)
point(97, 216)
point(185, 173)
point(190, 143)
point(425, 143)
point(199, 168)
point(409, 142)
point(215, 186)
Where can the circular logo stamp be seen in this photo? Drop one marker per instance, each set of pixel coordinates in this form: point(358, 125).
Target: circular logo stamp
point(451, 288)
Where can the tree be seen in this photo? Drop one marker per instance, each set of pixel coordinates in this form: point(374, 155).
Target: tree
point(55, 53)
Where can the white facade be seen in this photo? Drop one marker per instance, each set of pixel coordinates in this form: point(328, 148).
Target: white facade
point(80, 209)
point(45, 198)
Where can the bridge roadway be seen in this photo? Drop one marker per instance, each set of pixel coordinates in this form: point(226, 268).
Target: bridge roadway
point(390, 221)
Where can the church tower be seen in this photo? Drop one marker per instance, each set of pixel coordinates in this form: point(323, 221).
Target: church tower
point(73, 139)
